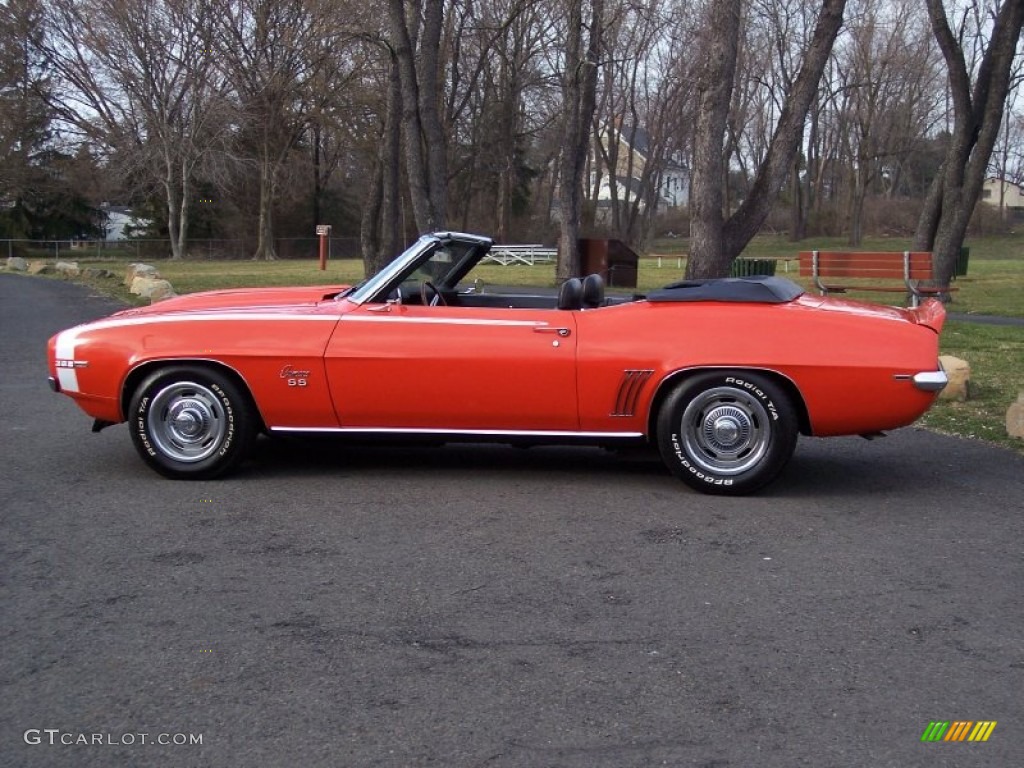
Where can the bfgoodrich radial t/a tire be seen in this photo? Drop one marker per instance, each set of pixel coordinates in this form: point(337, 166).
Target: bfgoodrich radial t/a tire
point(191, 422)
point(728, 432)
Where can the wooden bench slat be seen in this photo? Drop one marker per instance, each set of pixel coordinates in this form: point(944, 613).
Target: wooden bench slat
point(909, 267)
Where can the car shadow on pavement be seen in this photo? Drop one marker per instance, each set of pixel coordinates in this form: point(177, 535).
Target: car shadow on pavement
point(820, 468)
point(311, 455)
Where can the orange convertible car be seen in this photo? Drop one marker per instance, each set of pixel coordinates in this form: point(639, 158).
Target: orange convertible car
point(720, 375)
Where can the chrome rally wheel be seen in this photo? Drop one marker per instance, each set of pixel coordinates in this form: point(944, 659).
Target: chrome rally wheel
point(726, 431)
point(187, 421)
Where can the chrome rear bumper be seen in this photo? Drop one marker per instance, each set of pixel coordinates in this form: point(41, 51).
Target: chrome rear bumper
point(930, 381)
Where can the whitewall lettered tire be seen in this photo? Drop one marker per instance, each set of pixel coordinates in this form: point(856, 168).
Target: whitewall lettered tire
point(191, 422)
point(727, 432)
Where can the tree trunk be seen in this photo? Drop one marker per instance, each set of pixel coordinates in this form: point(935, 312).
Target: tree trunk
point(717, 241)
point(798, 212)
point(429, 73)
point(369, 223)
point(423, 137)
point(508, 129)
point(977, 120)
point(183, 216)
point(317, 175)
point(172, 190)
point(579, 96)
point(380, 227)
point(856, 218)
point(172, 219)
point(265, 250)
point(708, 257)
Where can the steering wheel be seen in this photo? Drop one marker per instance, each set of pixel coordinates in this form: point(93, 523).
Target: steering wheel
point(425, 288)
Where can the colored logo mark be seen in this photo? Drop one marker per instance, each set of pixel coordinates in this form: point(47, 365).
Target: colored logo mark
point(958, 730)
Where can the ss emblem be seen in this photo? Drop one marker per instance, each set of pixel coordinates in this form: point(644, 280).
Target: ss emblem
point(296, 382)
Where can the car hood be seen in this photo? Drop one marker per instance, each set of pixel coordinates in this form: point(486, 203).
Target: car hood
point(262, 299)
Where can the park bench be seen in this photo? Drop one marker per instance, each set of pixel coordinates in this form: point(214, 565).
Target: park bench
point(520, 254)
point(842, 271)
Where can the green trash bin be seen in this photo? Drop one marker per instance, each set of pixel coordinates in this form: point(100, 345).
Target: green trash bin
point(961, 262)
point(750, 267)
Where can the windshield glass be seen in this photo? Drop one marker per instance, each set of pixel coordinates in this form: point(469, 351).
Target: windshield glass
point(441, 260)
point(372, 285)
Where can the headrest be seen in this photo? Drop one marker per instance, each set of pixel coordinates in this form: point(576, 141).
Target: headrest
point(570, 294)
point(593, 291)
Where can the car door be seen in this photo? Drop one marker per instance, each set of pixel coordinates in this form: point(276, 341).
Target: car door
point(454, 369)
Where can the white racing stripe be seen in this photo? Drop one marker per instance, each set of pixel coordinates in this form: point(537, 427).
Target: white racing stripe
point(65, 350)
point(68, 379)
point(443, 321)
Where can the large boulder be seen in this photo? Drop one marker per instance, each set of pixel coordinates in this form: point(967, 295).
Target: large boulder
point(1015, 418)
point(67, 268)
point(16, 264)
point(151, 288)
point(959, 373)
point(139, 270)
point(161, 292)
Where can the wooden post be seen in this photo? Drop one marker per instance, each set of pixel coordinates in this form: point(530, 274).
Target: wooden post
point(323, 231)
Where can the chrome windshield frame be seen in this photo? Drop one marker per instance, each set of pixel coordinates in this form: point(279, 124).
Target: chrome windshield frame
point(386, 275)
point(405, 261)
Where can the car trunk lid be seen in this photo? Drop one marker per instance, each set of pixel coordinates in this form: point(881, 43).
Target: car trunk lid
point(931, 314)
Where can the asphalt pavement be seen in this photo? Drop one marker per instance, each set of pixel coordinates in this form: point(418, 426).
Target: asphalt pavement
point(468, 606)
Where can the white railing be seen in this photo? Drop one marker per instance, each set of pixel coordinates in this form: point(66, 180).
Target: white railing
point(521, 254)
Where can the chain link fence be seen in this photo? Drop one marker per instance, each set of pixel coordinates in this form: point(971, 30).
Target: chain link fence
point(155, 250)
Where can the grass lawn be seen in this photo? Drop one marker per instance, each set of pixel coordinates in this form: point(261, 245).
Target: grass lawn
point(994, 285)
point(996, 355)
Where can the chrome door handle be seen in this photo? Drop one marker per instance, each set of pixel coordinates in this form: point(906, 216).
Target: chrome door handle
point(563, 332)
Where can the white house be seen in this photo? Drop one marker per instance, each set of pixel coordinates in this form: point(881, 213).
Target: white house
point(634, 152)
point(117, 219)
point(998, 192)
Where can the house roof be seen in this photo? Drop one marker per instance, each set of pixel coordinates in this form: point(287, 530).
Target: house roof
point(639, 140)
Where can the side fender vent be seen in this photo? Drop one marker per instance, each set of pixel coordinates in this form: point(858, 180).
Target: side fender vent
point(633, 381)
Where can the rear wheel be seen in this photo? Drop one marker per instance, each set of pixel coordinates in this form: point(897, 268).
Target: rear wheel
point(727, 432)
point(191, 423)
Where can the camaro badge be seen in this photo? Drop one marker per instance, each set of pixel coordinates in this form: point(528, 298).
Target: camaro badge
point(294, 377)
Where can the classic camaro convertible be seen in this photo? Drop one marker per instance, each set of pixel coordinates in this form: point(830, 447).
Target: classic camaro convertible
point(720, 375)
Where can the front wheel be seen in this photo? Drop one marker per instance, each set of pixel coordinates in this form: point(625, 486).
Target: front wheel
point(191, 423)
point(727, 432)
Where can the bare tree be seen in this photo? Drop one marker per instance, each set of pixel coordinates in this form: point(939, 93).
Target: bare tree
point(885, 73)
point(716, 241)
point(274, 54)
point(579, 92)
point(1008, 153)
point(380, 230)
point(415, 29)
point(978, 114)
point(24, 116)
point(639, 126)
point(1007, 163)
point(137, 80)
point(491, 89)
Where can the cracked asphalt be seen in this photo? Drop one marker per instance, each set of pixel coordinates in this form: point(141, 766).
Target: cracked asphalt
point(468, 606)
